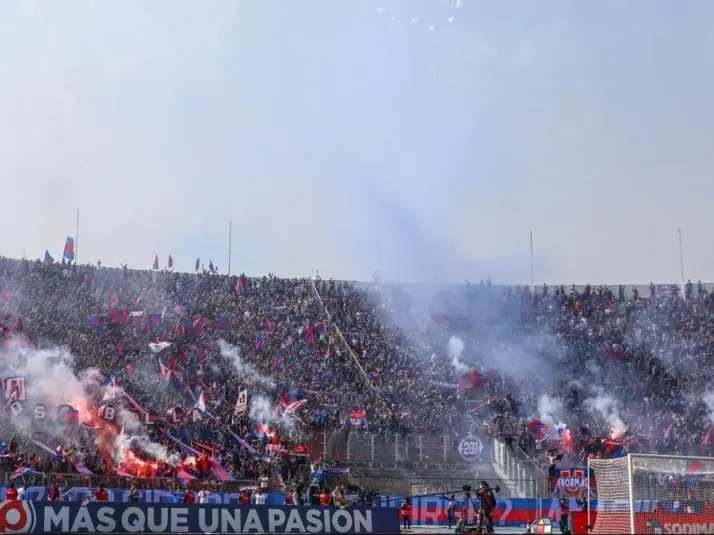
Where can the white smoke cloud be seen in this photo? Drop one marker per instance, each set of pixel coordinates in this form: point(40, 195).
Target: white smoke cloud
point(550, 411)
point(456, 349)
point(709, 400)
point(262, 410)
point(123, 443)
point(49, 380)
point(245, 370)
point(609, 409)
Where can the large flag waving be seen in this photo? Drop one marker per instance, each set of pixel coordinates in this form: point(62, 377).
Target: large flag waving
point(69, 248)
point(156, 262)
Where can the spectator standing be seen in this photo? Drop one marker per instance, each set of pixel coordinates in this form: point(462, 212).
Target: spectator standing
point(203, 495)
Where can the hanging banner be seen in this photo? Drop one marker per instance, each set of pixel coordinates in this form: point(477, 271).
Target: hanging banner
point(471, 449)
point(241, 403)
point(24, 516)
point(14, 384)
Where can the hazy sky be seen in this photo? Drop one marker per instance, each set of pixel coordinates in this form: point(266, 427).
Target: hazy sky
point(451, 129)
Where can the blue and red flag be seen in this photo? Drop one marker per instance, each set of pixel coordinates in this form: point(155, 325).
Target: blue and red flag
point(692, 471)
point(219, 471)
point(198, 326)
point(82, 469)
point(288, 342)
point(296, 394)
point(102, 378)
point(222, 323)
point(279, 362)
point(669, 433)
point(320, 326)
point(310, 335)
point(261, 429)
point(69, 249)
point(118, 315)
point(470, 379)
point(328, 354)
point(22, 471)
point(48, 258)
point(97, 323)
point(615, 449)
point(537, 428)
point(184, 476)
point(71, 417)
point(260, 341)
point(154, 318)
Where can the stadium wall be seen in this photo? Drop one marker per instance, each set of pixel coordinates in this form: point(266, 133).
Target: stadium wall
point(426, 510)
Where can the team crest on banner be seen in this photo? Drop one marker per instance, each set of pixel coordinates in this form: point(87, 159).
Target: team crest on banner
point(14, 384)
point(569, 483)
point(241, 402)
point(471, 449)
point(17, 516)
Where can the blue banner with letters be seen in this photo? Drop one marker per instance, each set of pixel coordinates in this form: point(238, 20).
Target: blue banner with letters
point(24, 516)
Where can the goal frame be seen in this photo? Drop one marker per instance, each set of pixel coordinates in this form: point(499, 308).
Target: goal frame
point(631, 458)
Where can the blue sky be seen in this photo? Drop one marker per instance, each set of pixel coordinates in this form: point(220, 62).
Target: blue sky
point(451, 129)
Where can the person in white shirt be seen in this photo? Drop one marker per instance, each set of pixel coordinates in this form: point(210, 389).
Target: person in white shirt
point(259, 497)
point(203, 496)
point(21, 493)
point(338, 496)
point(264, 481)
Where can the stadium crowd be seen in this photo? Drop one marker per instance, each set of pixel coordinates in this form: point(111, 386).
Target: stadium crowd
point(621, 373)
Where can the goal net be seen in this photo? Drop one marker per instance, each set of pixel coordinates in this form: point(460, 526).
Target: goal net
point(652, 494)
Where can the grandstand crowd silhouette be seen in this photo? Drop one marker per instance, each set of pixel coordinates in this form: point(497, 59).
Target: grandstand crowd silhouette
point(592, 371)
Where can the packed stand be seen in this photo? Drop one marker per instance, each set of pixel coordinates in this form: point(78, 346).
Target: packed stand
point(564, 374)
point(606, 373)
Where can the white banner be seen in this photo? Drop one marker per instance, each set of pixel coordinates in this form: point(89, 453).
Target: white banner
point(241, 402)
point(12, 384)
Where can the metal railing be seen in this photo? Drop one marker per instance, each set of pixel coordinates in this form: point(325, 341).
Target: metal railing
point(93, 481)
point(524, 478)
point(425, 485)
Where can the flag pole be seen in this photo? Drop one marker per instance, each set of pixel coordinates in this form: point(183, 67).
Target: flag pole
point(230, 244)
point(681, 257)
point(76, 240)
point(532, 268)
point(379, 257)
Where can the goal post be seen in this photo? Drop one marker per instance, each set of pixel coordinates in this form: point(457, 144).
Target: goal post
point(651, 494)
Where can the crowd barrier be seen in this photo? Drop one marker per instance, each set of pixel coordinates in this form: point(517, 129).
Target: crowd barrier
point(105, 517)
point(166, 483)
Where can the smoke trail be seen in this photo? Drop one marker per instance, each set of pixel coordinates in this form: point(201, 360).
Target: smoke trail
point(50, 381)
point(244, 369)
point(609, 408)
point(550, 410)
point(456, 349)
point(261, 410)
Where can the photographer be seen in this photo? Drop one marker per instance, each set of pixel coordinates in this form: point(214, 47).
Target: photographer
point(487, 501)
